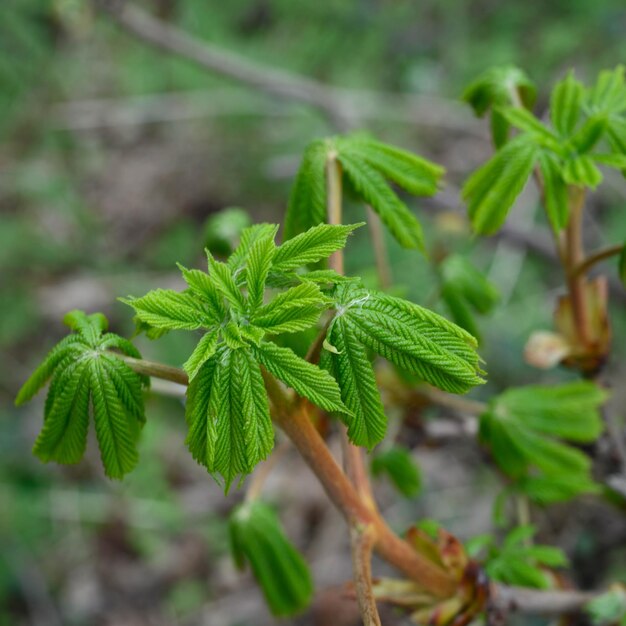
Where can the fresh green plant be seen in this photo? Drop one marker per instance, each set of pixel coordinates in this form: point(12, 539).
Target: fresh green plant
point(243, 381)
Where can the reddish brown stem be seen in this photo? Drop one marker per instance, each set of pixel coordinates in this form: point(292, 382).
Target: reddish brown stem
point(299, 428)
point(575, 254)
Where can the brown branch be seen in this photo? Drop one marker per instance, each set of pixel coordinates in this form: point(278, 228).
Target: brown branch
point(506, 599)
point(361, 543)
point(601, 255)
point(158, 370)
point(299, 428)
point(343, 107)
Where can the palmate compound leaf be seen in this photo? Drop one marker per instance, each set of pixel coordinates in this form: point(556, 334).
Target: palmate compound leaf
point(370, 166)
point(227, 405)
point(258, 538)
point(499, 87)
point(415, 339)
point(523, 428)
point(491, 191)
point(515, 561)
point(83, 374)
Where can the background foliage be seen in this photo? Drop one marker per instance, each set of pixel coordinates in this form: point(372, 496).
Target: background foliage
point(98, 200)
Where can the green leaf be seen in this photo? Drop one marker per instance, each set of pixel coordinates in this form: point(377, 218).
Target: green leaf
point(554, 191)
point(416, 175)
point(307, 202)
point(374, 190)
point(463, 288)
point(565, 104)
point(291, 311)
point(491, 190)
point(588, 135)
point(164, 308)
point(413, 338)
point(550, 489)
point(499, 87)
point(495, 87)
point(83, 372)
point(608, 95)
point(89, 327)
point(249, 237)
point(257, 270)
point(230, 429)
point(202, 286)
point(43, 373)
point(527, 122)
point(64, 434)
point(617, 161)
point(516, 562)
point(582, 172)
point(222, 230)
point(308, 380)
point(309, 247)
point(616, 135)
point(223, 280)
point(398, 464)
point(257, 537)
point(202, 352)
point(523, 426)
point(116, 430)
point(608, 608)
point(353, 370)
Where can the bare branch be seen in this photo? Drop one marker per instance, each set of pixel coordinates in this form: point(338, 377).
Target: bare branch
point(506, 599)
point(344, 108)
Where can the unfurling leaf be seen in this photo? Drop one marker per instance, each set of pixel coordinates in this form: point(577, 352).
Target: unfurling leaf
point(83, 373)
point(258, 538)
point(554, 190)
point(491, 190)
point(370, 167)
point(500, 87)
point(463, 289)
point(398, 464)
point(523, 428)
point(515, 562)
point(565, 104)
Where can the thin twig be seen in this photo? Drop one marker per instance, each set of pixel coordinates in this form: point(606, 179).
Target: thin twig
point(158, 370)
point(381, 254)
point(507, 599)
point(601, 255)
point(361, 544)
point(343, 107)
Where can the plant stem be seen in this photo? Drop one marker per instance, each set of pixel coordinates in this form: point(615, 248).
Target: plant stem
point(333, 204)
point(158, 370)
point(456, 403)
point(595, 258)
point(299, 428)
point(361, 544)
point(381, 255)
point(353, 456)
point(575, 254)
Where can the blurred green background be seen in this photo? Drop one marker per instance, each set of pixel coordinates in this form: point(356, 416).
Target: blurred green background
point(115, 159)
